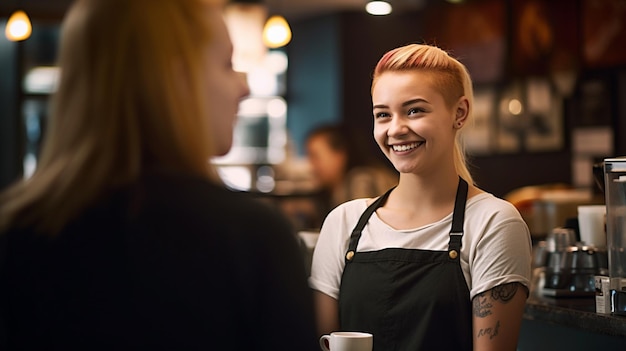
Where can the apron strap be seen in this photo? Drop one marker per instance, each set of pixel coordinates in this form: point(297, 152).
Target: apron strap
point(458, 217)
point(356, 232)
point(456, 233)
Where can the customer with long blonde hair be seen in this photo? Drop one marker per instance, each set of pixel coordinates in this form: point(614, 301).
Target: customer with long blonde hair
point(124, 237)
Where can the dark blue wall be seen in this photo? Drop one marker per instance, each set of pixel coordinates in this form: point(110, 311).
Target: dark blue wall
point(314, 79)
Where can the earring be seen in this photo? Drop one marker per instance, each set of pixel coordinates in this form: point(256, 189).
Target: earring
point(459, 124)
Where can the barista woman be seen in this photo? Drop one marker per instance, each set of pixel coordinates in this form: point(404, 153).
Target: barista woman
point(435, 263)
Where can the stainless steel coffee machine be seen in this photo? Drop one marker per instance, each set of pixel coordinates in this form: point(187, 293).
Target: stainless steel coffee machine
point(615, 195)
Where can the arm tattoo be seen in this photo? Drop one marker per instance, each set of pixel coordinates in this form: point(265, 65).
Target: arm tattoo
point(481, 307)
point(491, 332)
point(482, 304)
point(504, 292)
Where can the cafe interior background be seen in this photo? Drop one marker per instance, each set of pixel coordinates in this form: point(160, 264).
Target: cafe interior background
point(550, 103)
point(550, 89)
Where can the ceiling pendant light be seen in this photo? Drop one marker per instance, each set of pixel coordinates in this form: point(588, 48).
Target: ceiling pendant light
point(378, 8)
point(18, 27)
point(276, 32)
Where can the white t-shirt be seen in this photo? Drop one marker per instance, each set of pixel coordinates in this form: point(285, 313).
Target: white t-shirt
point(496, 245)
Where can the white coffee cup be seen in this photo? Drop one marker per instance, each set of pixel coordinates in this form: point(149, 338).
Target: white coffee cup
point(347, 341)
point(591, 224)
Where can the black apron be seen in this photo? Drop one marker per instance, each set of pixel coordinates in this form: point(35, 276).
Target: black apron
point(408, 299)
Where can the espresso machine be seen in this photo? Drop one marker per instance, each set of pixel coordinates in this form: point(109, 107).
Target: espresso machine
point(615, 196)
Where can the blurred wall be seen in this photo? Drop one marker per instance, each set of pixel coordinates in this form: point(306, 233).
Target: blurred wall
point(332, 57)
point(362, 39)
point(314, 79)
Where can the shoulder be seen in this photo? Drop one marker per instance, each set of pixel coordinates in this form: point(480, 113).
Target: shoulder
point(487, 205)
point(349, 209)
point(192, 190)
point(210, 217)
point(489, 217)
point(340, 221)
point(200, 200)
point(498, 242)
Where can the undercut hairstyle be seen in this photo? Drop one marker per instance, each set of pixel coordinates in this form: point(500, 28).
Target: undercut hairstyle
point(449, 76)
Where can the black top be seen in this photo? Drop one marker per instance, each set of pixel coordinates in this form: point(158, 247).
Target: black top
point(170, 263)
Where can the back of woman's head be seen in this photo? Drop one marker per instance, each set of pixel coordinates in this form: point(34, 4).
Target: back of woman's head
point(448, 76)
point(129, 72)
point(129, 98)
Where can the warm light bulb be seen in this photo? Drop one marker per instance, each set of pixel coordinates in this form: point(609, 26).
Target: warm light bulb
point(515, 107)
point(378, 8)
point(276, 32)
point(18, 27)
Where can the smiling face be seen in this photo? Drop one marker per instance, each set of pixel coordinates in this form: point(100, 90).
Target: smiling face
point(413, 125)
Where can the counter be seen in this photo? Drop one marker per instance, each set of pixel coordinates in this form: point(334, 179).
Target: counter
point(569, 323)
point(576, 313)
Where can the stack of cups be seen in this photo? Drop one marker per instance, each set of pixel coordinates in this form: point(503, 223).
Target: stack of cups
point(592, 228)
point(592, 225)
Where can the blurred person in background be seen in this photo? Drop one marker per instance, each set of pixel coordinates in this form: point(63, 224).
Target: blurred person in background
point(124, 237)
point(435, 263)
point(342, 167)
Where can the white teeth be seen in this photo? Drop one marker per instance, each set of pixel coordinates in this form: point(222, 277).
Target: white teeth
point(405, 147)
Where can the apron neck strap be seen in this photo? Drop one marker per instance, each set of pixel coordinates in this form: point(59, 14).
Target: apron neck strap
point(458, 217)
point(356, 232)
